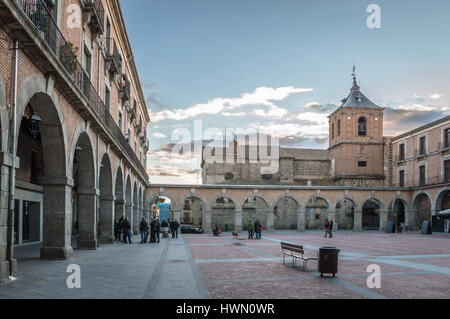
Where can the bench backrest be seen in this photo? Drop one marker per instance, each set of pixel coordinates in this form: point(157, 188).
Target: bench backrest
point(293, 248)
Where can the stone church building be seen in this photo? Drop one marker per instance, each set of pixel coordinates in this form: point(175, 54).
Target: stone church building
point(358, 153)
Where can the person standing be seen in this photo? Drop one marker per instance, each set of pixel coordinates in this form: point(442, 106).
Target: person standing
point(257, 230)
point(330, 228)
point(172, 227)
point(327, 227)
point(152, 231)
point(165, 229)
point(176, 226)
point(126, 231)
point(251, 230)
point(143, 230)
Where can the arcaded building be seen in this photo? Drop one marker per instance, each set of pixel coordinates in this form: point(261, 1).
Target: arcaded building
point(73, 124)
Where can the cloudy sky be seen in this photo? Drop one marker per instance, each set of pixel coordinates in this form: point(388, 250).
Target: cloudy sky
point(281, 66)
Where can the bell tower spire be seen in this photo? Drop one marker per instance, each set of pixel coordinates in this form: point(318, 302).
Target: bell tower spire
point(355, 84)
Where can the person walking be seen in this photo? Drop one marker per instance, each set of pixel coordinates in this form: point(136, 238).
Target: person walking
point(327, 227)
point(258, 229)
point(158, 230)
point(176, 226)
point(126, 231)
point(152, 231)
point(330, 228)
point(143, 230)
point(172, 227)
point(251, 230)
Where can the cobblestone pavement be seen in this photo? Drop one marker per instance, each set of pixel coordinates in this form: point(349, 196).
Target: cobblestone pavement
point(119, 271)
point(412, 266)
point(204, 266)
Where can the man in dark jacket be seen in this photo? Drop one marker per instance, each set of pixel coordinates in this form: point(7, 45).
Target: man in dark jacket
point(126, 231)
point(143, 230)
point(172, 227)
point(152, 231)
point(176, 225)
point(158, 229)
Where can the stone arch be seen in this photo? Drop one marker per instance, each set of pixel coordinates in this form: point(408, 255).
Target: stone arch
point(81, 130)
point(194, 213)
point(421, 206)
point(223, 213)
point(55, 180)
point(397, 209)
point(106, 201)
point(345, 213)
point(119, 194)
point(316, 208)
point(285, 208)
point(259, 209)
point(173, 203)
point(372, 213)
point(85, 192)
point(441, 203)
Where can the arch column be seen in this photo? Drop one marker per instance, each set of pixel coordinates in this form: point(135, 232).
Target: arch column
point(128, 213)
point(206, 221)
point(270, 221)
point(87, 218)
point(119, 207)
point(301, 220)
point(238, 220)
point(135, 219)
point(107, 216)
point(57, 219)
point(410, 210)
point(384, 216)
point(357, 220)
point(5, 265)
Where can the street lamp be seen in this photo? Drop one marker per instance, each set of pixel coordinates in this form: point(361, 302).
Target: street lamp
point(35, 121)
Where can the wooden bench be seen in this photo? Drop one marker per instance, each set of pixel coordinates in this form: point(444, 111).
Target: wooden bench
point(238, 240)
point(296, 252)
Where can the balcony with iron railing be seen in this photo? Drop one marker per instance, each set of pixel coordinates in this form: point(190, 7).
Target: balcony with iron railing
point(113, 57)
point(97, 15)
point(38, 13)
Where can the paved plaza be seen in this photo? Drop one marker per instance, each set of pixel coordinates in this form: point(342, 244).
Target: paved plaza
point(204, 266)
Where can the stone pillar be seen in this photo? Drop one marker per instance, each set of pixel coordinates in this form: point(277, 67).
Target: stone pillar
point(119, 208)
point(107, 216)
point(57, 219)
point(238, 221)
point(301, 220)
point(270, 222)
point(177, 216)
point(128, 213)
point(357, 220)
point(87, 219)
point(135, 224)
point(206, 221)
point(383, 220)
point(5, 265)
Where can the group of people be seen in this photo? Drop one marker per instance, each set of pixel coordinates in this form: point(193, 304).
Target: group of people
point(254, 229)
point(150, 232)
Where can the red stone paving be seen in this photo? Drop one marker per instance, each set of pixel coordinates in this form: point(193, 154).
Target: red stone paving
point(270, 279)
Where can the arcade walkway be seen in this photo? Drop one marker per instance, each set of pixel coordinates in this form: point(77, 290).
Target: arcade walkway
point(203, 266)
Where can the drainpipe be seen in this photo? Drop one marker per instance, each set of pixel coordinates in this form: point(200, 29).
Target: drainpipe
point(12, 181)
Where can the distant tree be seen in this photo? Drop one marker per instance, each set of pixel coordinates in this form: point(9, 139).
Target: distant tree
point(159, 200)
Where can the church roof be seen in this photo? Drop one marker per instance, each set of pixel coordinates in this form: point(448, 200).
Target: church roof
point(356, 98)
point(304, 154)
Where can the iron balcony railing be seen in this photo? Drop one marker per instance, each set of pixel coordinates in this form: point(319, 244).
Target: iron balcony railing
point(113, 55)
point(428, 181)
point(99, 11)
point(39, 14)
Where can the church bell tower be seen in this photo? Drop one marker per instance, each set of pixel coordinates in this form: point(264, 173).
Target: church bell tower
point(357, 145)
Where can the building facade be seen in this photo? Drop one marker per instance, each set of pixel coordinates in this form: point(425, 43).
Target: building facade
point(73, 124)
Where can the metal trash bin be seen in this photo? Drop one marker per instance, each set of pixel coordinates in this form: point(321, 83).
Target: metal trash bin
point(328, 261)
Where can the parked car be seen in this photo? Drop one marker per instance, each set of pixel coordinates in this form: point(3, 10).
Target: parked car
point(186, 229)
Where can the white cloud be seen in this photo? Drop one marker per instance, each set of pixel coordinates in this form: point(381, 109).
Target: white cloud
point(261, 96)
point(230, 114)
point(436, 96)
point(159, 135)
